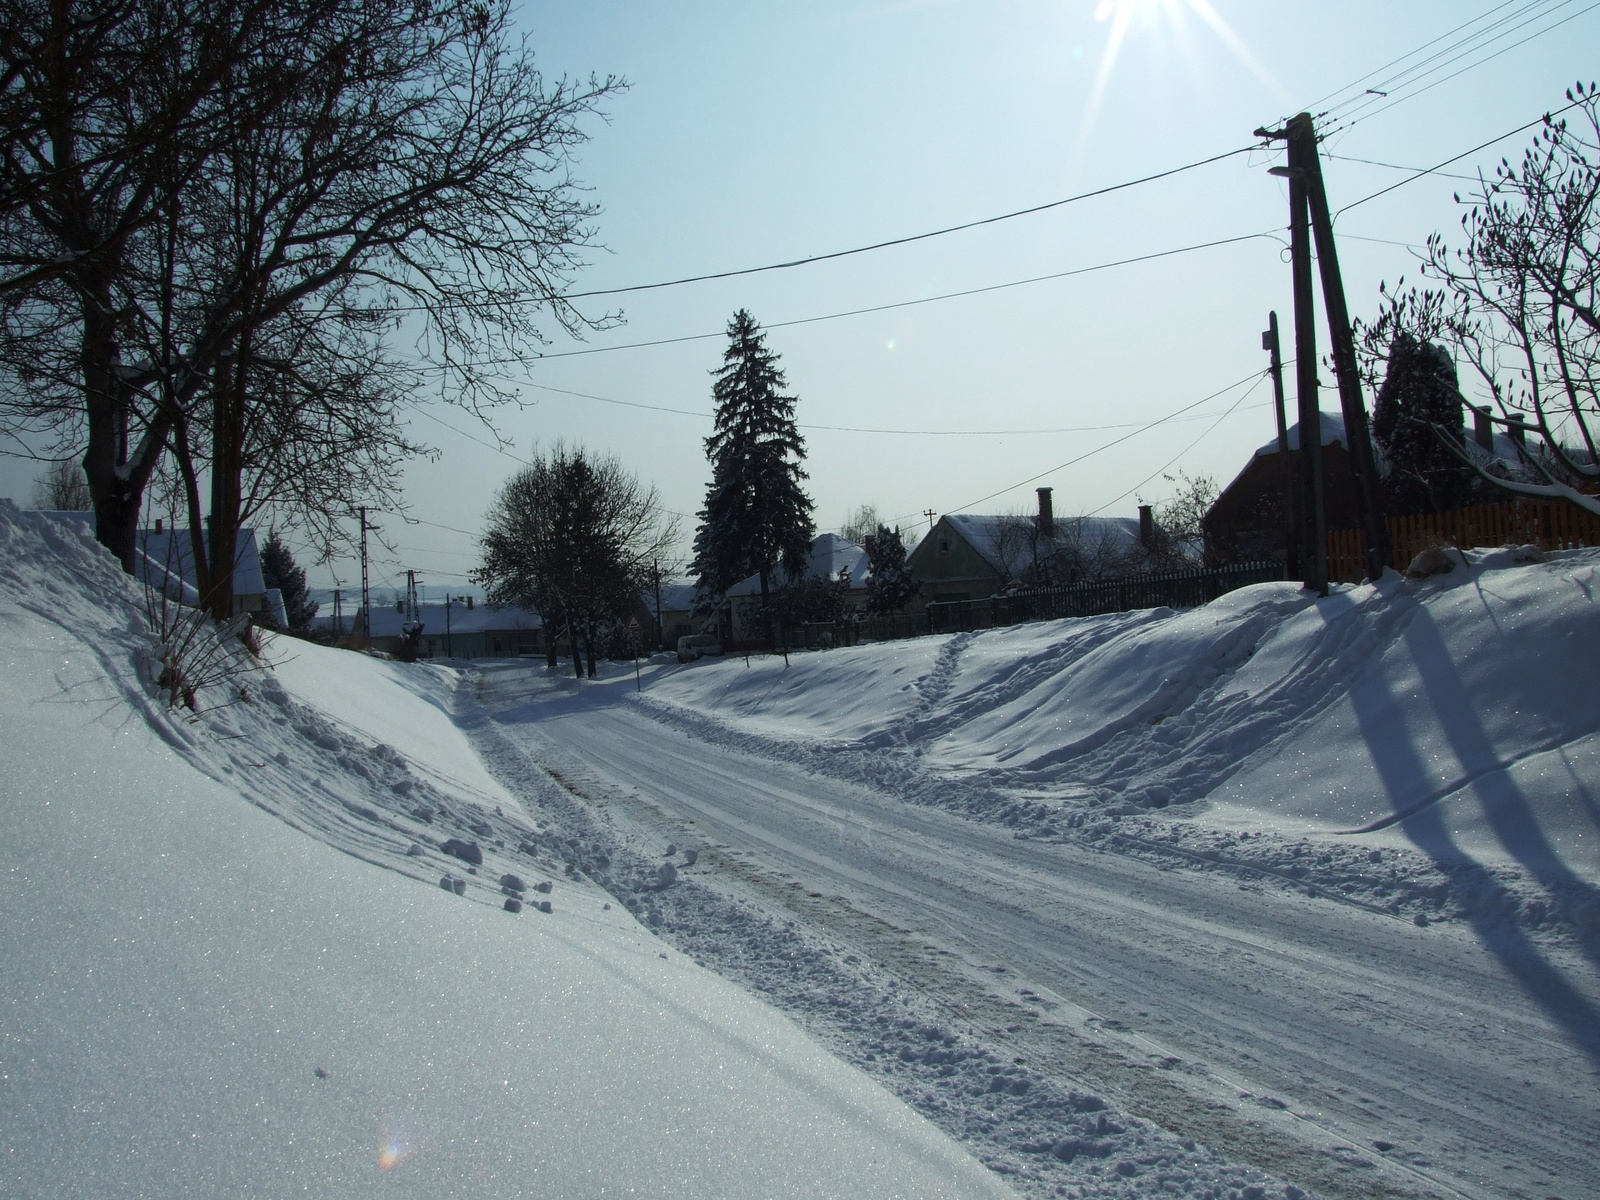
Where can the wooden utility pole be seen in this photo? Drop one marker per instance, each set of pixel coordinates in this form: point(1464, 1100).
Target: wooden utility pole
point(1313, 518)
point(366, 592)
point(1291, 523)
point(1358, 436)
point(1308, 207)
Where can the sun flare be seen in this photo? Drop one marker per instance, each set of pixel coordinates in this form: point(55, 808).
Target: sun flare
point(1124, 15)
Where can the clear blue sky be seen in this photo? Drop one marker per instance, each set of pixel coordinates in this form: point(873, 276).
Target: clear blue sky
point(759, 132)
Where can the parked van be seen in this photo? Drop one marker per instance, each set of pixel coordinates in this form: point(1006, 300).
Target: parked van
point(692, 646)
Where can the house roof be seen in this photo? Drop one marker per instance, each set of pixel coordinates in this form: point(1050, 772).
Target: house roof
point(1332, 435)
point(170, 550)
point(386, 622)
point(831, 557)
point(167, 556)
point(675, 597)
point(992, 538)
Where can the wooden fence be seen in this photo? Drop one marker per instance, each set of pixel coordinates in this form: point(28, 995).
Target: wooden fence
point(1549, 524)
point(1170, 589)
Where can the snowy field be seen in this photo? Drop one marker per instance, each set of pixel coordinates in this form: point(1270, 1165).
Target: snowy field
point(1273, 898)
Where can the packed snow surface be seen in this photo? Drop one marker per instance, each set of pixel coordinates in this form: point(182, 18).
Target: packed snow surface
point(200, 999)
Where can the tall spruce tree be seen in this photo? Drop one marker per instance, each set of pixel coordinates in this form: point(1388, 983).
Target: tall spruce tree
point(756, 516)
point(279, 570)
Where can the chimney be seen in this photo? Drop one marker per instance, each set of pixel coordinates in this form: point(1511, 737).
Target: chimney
point(469, 603)
point(1147, 526)
point(1518, 431)
point(158, 524)
point(1047, 514)
point(1483, 428)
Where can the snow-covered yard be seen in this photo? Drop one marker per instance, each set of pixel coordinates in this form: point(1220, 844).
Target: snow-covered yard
point(1271, 898)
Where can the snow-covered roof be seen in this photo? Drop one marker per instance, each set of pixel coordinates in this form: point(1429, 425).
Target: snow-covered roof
point(386, 622)
point(831, 557)
point(275, 607)
point(1332, 435)
point(1001, 540)
point(166, 555)
point(170, 550)
point(675, 597)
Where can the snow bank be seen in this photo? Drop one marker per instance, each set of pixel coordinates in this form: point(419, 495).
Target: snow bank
point(1456, 715)
point(201, 999)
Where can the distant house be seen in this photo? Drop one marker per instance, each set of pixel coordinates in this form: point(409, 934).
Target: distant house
point(458, 630)
point(967, 556)
point(832, 557)
point(164, 560)
point(676, 617)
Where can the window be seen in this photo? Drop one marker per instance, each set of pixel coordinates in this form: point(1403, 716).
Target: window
point(944, 545)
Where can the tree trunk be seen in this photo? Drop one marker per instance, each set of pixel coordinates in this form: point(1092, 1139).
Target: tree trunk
point(589, 639)
point(116, 481)
point(577, 659)
point(766, 612)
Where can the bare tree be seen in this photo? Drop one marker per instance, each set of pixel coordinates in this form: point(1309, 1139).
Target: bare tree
point(358, 168)
point(862, 523)
point(1519, 303)
point(61, 488)
point(576, 537)
point(111, 106)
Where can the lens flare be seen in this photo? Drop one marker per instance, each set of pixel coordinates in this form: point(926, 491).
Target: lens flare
point(393, 1149)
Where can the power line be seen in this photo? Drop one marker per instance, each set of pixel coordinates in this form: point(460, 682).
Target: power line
point(1254, 375)
point(1417, 50)
point(850, 428)
point(1472, 65)
point(915, 237)
point(1457, 158)
point(1207, 432)
point(1271, 234)
point(1372, 162)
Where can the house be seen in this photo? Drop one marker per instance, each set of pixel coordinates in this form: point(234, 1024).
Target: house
point(457, 630)
point(675, 617)
point(164, 560)
point(1248, 522)
point(833, 558)
point(967, 556)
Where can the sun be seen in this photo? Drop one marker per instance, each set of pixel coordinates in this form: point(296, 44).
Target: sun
point(1123, 14)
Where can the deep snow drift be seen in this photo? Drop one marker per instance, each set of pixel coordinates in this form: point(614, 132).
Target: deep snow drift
point(200, 999)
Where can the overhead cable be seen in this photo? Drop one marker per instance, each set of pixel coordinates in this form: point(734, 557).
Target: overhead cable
point(915, 237)
point(1269, 234)
point(1254, 376)
point(1458, 157)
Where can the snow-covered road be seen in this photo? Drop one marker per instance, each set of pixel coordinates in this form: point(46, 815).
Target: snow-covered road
point(1349, 1051)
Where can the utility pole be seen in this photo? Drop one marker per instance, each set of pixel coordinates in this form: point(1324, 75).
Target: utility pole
point(1358, 436)
point(1309, 205)
point(1313, 518)
point(449, 646)
point(928, 512)
point(1291, 556)
point(366, 593)
point(338, 613)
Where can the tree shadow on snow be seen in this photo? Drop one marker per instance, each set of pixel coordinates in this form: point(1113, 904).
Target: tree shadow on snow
point(1506, 810)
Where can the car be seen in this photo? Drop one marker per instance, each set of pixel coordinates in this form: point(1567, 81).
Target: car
point(691, 646)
